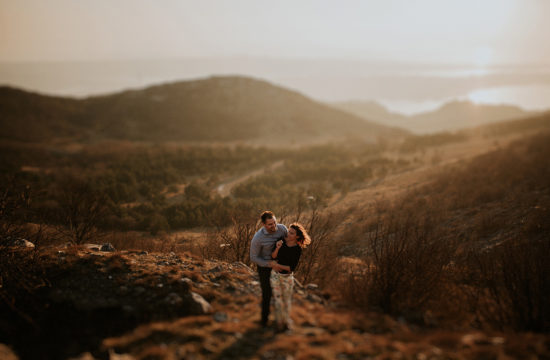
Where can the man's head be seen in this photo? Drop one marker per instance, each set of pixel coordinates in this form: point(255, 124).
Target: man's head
point(269, 221)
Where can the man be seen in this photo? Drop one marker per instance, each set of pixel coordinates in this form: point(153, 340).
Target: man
point(260, 253)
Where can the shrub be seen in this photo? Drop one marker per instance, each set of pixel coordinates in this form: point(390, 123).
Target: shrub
point(514, 285)
point(231, 243)
point(82, 209)
point(404, 265)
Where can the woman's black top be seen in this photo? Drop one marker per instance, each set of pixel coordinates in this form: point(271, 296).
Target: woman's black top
point(289, 256)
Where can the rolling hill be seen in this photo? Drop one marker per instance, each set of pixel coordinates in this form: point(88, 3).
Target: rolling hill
point(213, 109)
point(451, 116)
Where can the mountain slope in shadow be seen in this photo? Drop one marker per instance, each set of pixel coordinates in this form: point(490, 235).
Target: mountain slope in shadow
point(212, 109)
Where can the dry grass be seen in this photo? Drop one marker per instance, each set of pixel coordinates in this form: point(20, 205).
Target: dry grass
point(414, 251)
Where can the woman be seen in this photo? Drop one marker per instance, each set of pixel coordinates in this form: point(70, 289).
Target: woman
point(287, 254)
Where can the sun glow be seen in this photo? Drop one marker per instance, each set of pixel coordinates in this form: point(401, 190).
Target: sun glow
point(483, 56)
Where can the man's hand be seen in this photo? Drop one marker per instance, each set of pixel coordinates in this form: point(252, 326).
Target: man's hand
point(274, 265)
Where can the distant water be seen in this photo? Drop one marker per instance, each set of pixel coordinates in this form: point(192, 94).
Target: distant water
point(402, 88)
point(528, 97)
point(531, 97)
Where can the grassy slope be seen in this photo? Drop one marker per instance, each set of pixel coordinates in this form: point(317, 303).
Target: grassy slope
point(213, 109)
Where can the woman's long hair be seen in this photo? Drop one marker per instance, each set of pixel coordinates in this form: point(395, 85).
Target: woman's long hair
point(302, 237)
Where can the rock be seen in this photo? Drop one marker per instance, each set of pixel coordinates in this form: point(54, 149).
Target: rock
point(314, 298)
point(114, 356)
point(185, 283)
point(83, 356)
point(200, 306)
point(128, 309)
point(220, 317)
point(94, 247)
point(312, 286)
point(430, 319)
point(244, 266)
point(186, 280)
point(139, 290)
point(173, 299)
point(6, 353)
point(475, 339)
point(22, 243)
point(107, 247)
point(215, 269)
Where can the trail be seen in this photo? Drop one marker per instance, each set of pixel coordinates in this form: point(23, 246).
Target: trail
point(225, 188)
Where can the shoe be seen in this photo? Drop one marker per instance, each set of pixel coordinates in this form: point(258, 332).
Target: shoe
point(263, 323)
point(280, 328)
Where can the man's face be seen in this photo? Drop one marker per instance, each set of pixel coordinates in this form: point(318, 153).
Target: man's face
point(271, 225)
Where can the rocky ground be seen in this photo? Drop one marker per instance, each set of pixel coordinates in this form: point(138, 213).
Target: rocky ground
point(138, 305)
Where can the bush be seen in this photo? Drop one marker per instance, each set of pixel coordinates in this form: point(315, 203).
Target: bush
point(404, 264)
point(514, 285)
point(81, 211)
point(231, 243)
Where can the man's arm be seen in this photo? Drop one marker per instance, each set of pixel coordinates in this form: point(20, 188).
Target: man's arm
point(255, 251)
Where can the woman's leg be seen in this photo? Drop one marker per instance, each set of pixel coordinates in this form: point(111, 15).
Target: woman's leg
point(276, 287)
point(287, 287)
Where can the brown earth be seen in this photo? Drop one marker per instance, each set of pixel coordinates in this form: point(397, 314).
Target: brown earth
point(136, 305)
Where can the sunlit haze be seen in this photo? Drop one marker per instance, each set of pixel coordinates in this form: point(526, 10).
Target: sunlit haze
point(325, 49)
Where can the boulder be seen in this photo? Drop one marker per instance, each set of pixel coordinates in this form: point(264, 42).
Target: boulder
point(220, 317)
point(21, 243)
point(199, 306)
point(6, 353)
point(312, 287)
point(107, 247)
point(173, 299)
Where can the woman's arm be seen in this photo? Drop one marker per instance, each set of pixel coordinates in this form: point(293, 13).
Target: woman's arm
point(275, 252)
point(285, 268)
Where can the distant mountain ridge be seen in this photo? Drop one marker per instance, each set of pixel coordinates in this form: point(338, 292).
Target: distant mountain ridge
point(451, 116)
point(212, 109)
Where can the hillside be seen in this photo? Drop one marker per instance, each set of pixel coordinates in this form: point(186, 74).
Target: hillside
point(93, 304)
point(432, 246)
point(33, 117)
point(214, 109)
point(451, 116)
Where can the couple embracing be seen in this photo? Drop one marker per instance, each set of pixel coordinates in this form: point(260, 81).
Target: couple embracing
point(276, 250)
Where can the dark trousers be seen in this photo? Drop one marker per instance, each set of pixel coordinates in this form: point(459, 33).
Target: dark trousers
point(265, 274)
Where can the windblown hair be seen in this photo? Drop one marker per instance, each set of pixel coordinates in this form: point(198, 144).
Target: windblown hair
point(267, 215)
point(302, 236)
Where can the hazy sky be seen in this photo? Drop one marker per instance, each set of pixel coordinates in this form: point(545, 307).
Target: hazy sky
point(479, 32)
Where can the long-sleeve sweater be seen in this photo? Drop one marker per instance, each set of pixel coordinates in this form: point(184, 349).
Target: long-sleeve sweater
point(262, 244)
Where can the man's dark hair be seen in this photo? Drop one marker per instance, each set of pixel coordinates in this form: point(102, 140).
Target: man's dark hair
point(267, 215)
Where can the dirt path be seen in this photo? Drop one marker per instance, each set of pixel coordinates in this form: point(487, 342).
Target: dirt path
point(224, 189)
